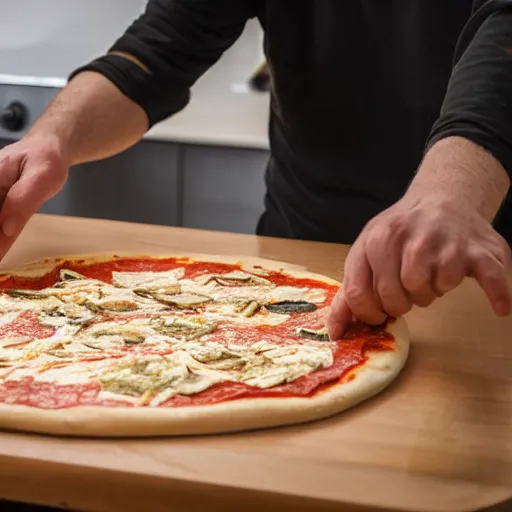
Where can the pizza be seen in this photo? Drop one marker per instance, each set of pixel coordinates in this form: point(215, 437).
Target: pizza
point(145, 345)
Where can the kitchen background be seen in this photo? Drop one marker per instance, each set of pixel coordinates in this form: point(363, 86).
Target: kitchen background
point(202, 168)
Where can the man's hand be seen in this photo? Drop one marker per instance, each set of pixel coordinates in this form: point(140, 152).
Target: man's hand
point(424, 246)
point(31, 172)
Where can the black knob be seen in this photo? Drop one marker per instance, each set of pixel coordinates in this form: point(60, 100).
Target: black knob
point(14, 117)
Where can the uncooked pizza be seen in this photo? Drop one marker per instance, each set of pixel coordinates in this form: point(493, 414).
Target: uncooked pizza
point(124, 345)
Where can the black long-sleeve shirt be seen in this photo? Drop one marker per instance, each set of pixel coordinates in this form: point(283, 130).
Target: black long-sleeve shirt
point(359, 89)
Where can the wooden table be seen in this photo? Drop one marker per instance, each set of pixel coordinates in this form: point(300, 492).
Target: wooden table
point(438, 440)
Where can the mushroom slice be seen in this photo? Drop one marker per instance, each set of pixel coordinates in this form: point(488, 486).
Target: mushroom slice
point(66, 274)
point(27, 294)
point(149, 293)
point(235, 278)
point(310, 334)
point(291, 307)
point(130, 336)
point(118, 306)
point(247, 308)
point(182, 301)
point(184, 329)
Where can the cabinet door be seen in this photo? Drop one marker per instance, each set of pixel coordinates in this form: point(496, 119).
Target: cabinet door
point(223, 188)
point(138, 185)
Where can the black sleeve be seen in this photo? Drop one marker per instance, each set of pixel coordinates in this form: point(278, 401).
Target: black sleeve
point(178, 41)
point(478, 102)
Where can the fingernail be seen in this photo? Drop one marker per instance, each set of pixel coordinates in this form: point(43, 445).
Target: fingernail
point(9, 227)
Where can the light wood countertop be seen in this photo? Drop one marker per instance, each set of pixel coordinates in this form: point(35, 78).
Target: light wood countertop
point(438, 440)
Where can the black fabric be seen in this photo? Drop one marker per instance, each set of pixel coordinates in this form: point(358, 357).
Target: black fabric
point(357, 90)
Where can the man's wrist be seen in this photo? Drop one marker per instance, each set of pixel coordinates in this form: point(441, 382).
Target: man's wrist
point(459, 171)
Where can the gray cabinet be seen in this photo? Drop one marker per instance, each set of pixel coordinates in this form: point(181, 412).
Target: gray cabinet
point(137, 185)
point(194, 186)
point(223, 188)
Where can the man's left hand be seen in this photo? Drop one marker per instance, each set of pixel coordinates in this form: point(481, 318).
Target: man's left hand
point(417, 250)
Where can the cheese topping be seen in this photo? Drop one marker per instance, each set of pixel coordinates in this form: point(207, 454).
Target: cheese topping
point(148, 279)
point(166, 312)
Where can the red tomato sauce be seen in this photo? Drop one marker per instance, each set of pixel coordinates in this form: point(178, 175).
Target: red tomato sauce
point(103, 271)
point(26, 324)
point(352, 351)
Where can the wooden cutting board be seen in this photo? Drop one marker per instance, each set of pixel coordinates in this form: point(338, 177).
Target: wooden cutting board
point(438, 440)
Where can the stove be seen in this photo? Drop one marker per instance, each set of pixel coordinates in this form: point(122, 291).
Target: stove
point(139, 185)
point(22, 100)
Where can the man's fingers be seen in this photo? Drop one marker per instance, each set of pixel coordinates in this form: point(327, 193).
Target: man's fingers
point(9, 173)
point(451, 270)
point(386, 282)
point(339, 318)
point(492, 276)
point(358, 291)
point(416, 274)
point(22, 201)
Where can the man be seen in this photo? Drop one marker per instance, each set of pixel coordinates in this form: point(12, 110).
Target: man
point(363, 96)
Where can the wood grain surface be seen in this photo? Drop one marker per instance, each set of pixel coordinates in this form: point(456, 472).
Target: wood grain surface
point(438, 440)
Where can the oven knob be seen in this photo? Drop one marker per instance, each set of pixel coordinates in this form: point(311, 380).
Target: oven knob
point(14, 117)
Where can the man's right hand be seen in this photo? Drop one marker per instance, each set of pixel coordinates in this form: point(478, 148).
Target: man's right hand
point(32, 171)
point(89, 119)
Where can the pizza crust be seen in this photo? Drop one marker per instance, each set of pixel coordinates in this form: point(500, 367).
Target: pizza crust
point(233, 416)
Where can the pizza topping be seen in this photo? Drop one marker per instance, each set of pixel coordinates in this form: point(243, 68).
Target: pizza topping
point(80, 291)
point(215, 355)
point(311, 334)
point(247, 308)
point(113, 334)
point(58, 315)
point(43, 346)
point(194, 367)
point(69, 275)
point(148, 280)
point(119, 306)
point(182, 301)
point(186, 329)
point(279, 364)
point(147, 376)
point(8, 355)
point(291, 307)
point(150, 293)
point(235, 278)
point(27, 294)
point(130, 336)
point(14, 341)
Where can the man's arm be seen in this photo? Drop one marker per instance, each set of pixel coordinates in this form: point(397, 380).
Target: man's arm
point(145, 77)
point(440, 231)
point(470, 146)
point(109, 103)
point(90, 119)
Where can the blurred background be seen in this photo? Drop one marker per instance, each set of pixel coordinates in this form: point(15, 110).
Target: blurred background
point(202, 168)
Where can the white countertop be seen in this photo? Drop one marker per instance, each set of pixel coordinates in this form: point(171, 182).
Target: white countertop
point(220, 117)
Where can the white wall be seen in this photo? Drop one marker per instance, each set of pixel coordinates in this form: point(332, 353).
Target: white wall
point(52, 37)
point(49, 38)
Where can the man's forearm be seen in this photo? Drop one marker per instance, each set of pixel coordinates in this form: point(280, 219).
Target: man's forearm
point(464, 174)
point(470, 146)
point(91, 119)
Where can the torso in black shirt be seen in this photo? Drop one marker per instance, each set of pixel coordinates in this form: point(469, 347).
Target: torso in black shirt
point(357, 86)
